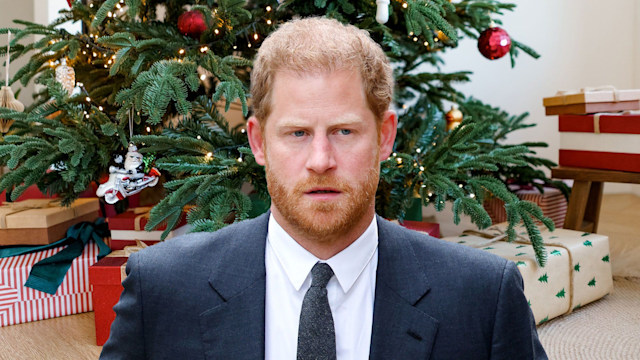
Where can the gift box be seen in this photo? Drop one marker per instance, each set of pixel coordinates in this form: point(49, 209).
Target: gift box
point(592, 100)
point(20, 304)
point(551, 201)
point(600, 141)
point(577, 272)
point(128, 227)
point(106, 281)
point(432, 229)
point(42, 221)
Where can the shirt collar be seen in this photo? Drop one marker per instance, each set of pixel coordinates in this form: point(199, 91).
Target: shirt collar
point(347, 265)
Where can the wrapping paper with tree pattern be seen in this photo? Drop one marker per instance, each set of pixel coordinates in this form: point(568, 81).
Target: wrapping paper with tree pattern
point(578, 270)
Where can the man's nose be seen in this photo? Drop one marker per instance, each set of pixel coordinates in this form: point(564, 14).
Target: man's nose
point(322, 155)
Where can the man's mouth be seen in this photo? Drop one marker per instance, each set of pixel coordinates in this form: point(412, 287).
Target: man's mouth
point(323, 191)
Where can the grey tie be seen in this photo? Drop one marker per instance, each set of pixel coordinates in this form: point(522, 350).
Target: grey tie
point(316, 334)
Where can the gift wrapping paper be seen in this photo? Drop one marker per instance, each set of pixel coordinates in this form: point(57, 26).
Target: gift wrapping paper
point(19, 304)
point(577, 272)
point(600, 141)
point(552, 202)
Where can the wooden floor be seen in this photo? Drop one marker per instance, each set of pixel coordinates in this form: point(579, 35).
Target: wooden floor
point(73, 337)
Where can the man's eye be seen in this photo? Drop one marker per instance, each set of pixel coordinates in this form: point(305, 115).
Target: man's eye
point(345, 131)
point(298, 133)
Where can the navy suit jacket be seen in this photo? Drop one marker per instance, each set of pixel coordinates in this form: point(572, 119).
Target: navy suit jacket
point(202, 296)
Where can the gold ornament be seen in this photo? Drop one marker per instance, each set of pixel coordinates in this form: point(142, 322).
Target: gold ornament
point(441, 36)
point(66, 76)
point(453, 117)
point(8, 100)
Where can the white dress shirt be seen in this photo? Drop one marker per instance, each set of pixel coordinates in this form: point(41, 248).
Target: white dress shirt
point(351, 293)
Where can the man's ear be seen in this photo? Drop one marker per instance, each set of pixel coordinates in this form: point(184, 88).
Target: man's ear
point(256, 139)
point(388, 130)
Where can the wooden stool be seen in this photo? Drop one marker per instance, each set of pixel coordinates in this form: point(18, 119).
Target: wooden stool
point(583, 211)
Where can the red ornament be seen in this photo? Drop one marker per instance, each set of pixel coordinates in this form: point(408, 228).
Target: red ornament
point(494, 43)
point(192, 23)
point(70, 2)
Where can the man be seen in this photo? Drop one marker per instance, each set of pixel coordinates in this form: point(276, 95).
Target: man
point(321, 276)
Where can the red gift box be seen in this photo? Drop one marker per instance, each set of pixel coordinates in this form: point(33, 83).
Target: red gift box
point(106, 278)
point(600, 141)
point(432, 229)
point(552, 202)
point(19, 304)
point(128, 227)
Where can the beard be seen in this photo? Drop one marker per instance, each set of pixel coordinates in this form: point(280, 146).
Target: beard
point(322, 220)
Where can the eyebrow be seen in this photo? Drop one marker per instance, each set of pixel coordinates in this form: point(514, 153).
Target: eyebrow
point(345, 120)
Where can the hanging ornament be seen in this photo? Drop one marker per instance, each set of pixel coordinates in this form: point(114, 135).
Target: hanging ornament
point(453, 117)
point(70, 2)
point(66, 76)
point(494, 42)
point(131, 178)
point(382, 12)
point(7, 99)
point(192, 23)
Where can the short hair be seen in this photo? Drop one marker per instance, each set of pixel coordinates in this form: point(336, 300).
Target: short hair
point(315, 45)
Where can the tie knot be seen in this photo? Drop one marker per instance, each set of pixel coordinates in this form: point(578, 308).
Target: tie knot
point(320, 274)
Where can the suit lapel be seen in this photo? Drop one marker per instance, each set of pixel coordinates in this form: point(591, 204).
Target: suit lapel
point(235, 328)
point(400, 329)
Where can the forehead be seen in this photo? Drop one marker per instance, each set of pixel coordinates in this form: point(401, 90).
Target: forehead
point(318, 95)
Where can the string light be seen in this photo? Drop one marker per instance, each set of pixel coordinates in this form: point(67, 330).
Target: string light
point(100, 108)
point(95, 54)
point(91, 5)
point(86, 116)
point(418, 150)
point(240, 159)
point(399, 160)
point(181, 51)
point(426, 43)
point(430, 194)
point(268, 8)
point(148, 129)
point(216, 31)
point(234, 47)
point(415, 38)
point(472, 195)
point(268, 21)
point(198, 137)
point(243, 131)
point(405, 5)
point(255, 36)
point(209, 155)
point(88, 99)
point(204, 49)
point(248, 44)
point(109, 14)
point(460, 186)
point(421, 168)
point(203, 77)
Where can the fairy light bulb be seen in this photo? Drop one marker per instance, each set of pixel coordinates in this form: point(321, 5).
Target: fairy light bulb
point(199, 137)
point(405, 5)
point(181, 51)
point(203, 77)
point(148, 129)
point(269, 22)
point(216, 31)
point(268, 8)
point(255, 36)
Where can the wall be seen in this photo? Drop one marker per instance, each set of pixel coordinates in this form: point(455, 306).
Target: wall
point(10, 11)
point(582, 43)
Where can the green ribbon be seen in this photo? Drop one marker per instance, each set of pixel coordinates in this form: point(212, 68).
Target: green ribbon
point(47, 274)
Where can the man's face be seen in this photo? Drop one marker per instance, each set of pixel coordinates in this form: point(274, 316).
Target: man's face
point(322, 151)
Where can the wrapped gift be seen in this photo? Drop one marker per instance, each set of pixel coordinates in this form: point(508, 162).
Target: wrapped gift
point(552, 202)
point(432, 229)
point(128, 227)
point(42, 221)
point(592, 100)
point(20, 304)
point(106, 280)
point(600, 141)
point(577, 272)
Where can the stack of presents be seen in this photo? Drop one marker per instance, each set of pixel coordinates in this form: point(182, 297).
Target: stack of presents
point(60, 260)
point(39, 237)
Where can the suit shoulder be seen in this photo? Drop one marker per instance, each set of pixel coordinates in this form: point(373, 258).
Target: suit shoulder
point(444, 253)
point(193, 246)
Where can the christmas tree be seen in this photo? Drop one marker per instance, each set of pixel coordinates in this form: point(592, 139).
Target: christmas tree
point(162, 74)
